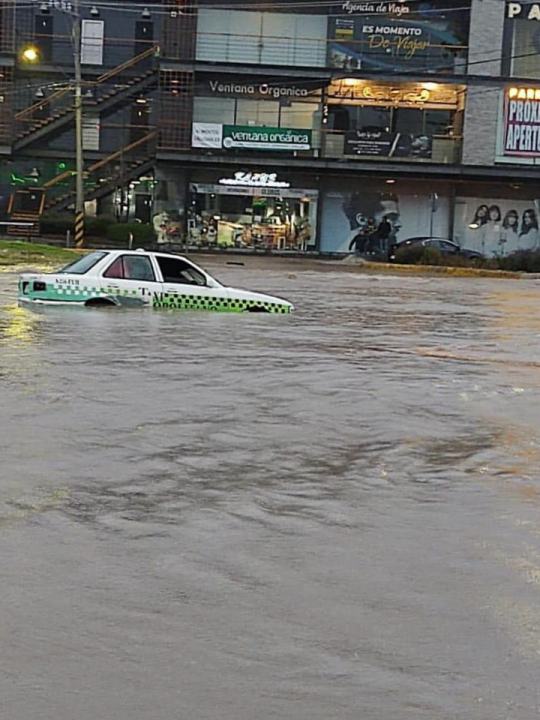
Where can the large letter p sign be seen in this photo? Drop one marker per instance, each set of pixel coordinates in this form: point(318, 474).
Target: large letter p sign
point(514, 8)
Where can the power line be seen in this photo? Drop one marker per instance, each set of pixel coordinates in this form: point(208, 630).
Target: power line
point(187, 8)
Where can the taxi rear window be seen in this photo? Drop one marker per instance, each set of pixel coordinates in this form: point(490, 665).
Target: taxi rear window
point(84, 264)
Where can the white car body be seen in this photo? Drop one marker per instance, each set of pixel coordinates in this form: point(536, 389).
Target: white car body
point(140, 278)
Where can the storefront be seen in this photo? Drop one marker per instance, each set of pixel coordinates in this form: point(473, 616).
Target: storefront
point(406, 121)
point(407, 208)
point(252, 211)
point(233, 114)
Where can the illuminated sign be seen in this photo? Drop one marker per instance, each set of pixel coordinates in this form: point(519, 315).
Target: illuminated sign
point(251, 179)
point(522, 122)
point(523, 11)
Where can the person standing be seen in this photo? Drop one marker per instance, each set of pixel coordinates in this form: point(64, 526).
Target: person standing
point(384, 231)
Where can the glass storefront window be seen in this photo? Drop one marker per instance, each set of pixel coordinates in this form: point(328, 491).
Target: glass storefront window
point(298, 115)
point(439, 122)
point(387, 119)
point(525, 52)
point(248, 37)
point(408, 120)
point(257, 112)
point(213, 110)
point(261, 113)
point(252, 218)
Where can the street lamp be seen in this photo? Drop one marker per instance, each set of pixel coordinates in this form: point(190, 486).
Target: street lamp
point(30, 54)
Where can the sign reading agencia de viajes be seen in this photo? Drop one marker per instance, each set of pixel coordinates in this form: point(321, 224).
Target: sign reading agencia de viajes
point(522, 122)
point(391, 8)
point(523, 10)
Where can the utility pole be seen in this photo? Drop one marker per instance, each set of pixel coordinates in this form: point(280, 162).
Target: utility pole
point(79, 159)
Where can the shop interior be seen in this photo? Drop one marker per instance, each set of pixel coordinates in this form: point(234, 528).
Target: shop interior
point(252, 218)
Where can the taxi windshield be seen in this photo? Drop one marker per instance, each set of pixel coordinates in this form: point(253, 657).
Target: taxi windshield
point(84, 264)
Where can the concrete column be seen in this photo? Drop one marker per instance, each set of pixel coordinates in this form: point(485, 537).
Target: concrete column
point(482, 101)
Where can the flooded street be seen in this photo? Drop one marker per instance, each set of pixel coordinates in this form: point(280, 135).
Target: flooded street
point(333, 514)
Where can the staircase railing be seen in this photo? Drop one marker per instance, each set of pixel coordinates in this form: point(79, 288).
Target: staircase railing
point(102, 172)
point(51, 107)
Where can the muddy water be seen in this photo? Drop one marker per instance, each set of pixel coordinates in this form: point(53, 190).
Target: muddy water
point(328, 515)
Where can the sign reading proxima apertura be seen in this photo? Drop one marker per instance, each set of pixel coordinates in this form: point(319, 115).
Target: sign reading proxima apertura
point(522, 122)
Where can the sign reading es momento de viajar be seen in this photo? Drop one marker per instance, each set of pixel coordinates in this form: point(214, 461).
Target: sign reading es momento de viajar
point(522, 122)
point(413, 35)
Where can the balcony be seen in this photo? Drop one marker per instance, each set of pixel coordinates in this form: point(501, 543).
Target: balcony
point(361, 146)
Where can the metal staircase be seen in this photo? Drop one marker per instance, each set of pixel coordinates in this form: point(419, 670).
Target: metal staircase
point(104, 176)
point(56, 111)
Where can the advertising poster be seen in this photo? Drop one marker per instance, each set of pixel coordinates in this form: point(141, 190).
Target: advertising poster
point(522, 122)
point(379, 143)
point(497, 227)
point(398, 36)
point(207, 135)
point(346, 214)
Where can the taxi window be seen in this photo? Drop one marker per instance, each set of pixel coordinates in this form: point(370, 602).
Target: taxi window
point(179, 271)
point(131, 267)
point(84, 264)
point(116, 270)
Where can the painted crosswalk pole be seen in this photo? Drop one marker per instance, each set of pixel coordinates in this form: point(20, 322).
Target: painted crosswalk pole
point(79, 229)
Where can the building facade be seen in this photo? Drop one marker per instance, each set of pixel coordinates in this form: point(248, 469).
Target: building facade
point(284, 126)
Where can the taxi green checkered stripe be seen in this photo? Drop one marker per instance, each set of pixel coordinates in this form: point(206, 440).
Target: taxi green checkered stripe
point(80, 293)
point(173, 301)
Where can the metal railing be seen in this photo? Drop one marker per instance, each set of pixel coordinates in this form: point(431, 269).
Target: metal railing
point(49, 108)
point(346, 147)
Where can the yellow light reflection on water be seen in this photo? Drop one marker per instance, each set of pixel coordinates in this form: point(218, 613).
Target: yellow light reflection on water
point(17, 324)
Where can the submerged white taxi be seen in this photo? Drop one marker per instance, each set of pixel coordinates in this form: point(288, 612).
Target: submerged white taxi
point(140, 278)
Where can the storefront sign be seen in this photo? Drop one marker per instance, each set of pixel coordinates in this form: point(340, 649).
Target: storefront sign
point(251, 179)
point(231, 137)
point(522, 122)
point(265, 138)
point(391, 8)
point(523, 11)
point(252, 191)
point(377, 143)
point(257, 91)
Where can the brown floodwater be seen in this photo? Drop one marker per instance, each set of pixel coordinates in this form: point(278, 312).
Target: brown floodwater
point(333, 514)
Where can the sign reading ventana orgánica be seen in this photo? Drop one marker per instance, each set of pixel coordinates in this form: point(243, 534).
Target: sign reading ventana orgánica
point(522, 122)
point(265, 138)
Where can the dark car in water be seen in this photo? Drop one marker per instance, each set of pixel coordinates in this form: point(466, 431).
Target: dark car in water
point(442, 245)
